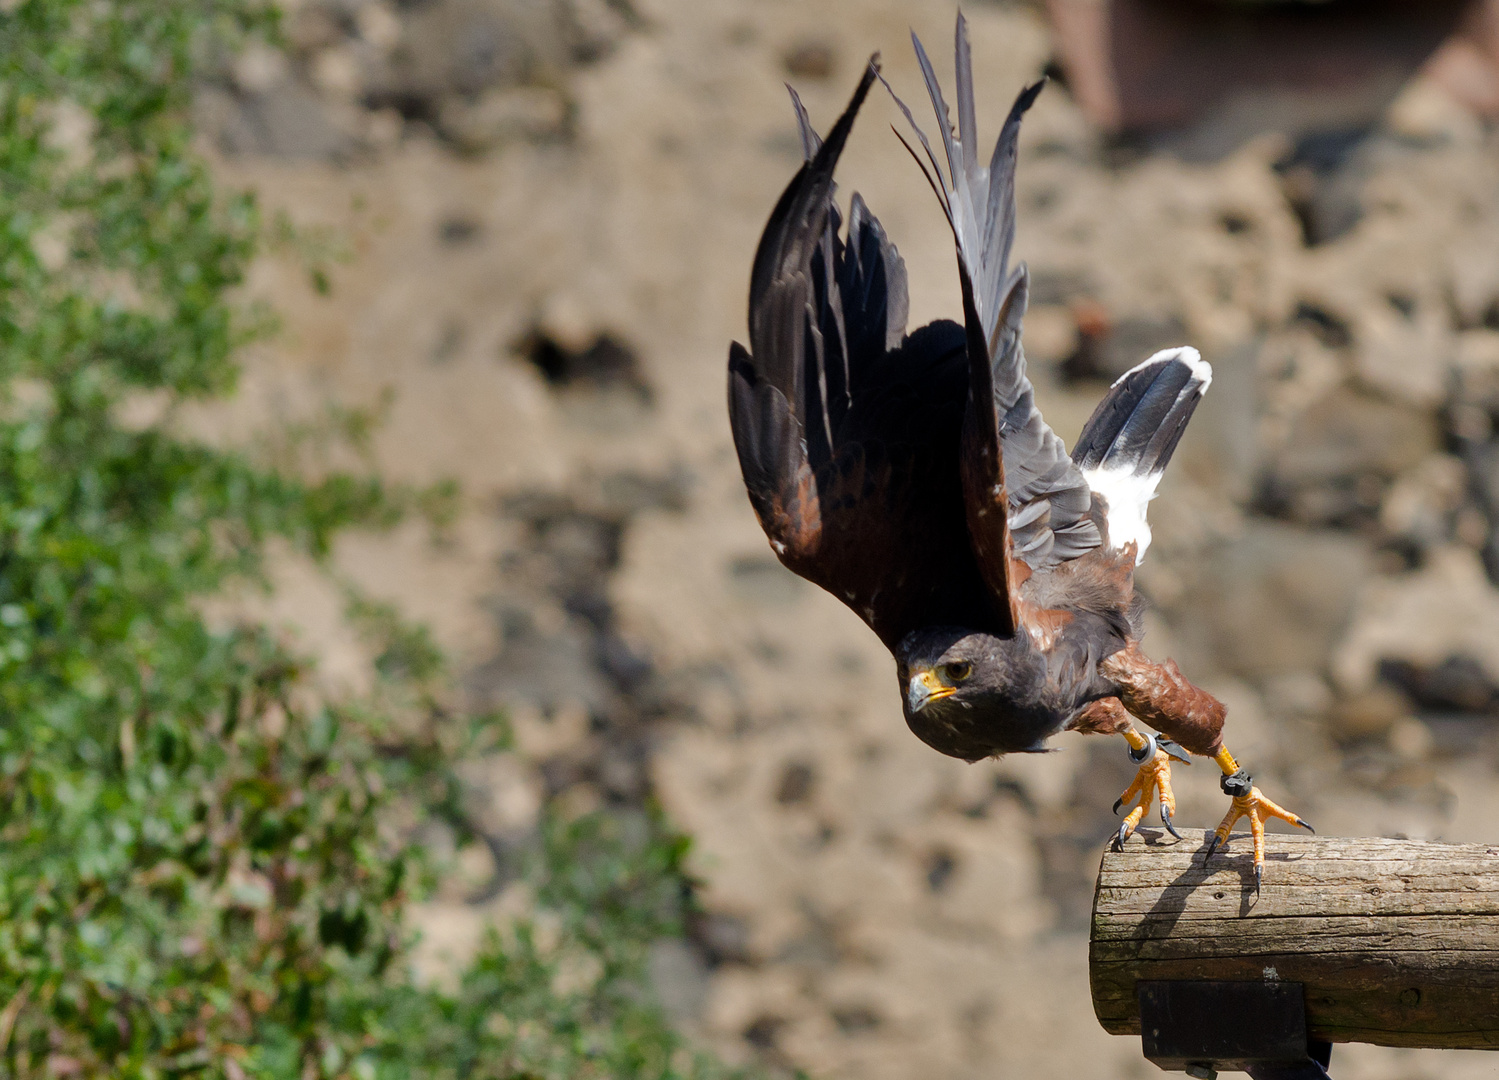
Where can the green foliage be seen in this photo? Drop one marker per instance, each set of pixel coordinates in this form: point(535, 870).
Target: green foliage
point(560, 996)
point(200, 870)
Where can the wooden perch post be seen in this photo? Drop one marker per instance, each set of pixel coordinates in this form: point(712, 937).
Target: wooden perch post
point(1394, 942)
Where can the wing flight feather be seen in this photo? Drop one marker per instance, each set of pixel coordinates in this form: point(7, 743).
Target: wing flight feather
point(847, 429)
point(1025, 498)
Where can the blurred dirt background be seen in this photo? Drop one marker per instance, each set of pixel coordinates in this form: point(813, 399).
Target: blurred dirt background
point(531, 222)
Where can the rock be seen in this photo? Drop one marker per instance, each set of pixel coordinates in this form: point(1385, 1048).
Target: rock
point(534, 113)
point(1475, 395)
point(798, 778)
point(1419, 507)
point(467, 48)
point(1297, 693)
point(1410, 739)
point(1323, 179)
point(1474, 276)
point(762, 580)
point(679, 979)
point(1405, 350)
point(1367, 715)
point(71, 129)
point(504, 794)
point(1457, 684)
point(1340, 456)
point(809, 59)
point(605, 363)
point(1471, 418)
point(480, 72)
point(1467, 66)
point(593, 28)
point(464, 48)
point(1108, 346)
point(287, 121)
point(1477, 352)
point(1278, 599)
point(336, 71)
point(1051, 334)
point(259, 68)
point(383, 128)
point(1446, 609)
point(451, 934)
point(379, 26)
point(1426, 111)
point(311, 28)
point(723, 938)
point(1480, 532)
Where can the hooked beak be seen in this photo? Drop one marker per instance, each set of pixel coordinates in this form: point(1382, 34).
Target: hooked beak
point(925, 689)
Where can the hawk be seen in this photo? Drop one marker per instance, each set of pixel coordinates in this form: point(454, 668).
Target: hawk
point(912, 476)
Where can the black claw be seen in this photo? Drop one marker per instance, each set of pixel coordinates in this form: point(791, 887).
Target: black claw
point(1166, 821)
point(1307, 825)
point(1211, 848)
point(1259, 872)
point(1117, 804)
point(1121, 836)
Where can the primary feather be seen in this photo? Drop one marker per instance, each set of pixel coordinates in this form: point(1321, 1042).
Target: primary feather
point(845, 426)
point(1047, 501)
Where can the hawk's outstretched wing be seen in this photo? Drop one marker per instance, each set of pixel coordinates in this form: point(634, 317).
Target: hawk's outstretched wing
point(1025, 497)
point(848, 431)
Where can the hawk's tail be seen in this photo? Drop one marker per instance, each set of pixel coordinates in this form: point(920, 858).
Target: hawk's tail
point(1128, 441)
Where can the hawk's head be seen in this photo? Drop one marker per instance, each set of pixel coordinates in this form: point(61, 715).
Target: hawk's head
point(973, 695)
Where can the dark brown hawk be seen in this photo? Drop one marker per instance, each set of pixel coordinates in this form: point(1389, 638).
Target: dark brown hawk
point(913, 477)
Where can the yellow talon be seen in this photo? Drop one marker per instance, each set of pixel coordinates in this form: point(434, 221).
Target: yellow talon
point(1151, 782)
point(1248, 802)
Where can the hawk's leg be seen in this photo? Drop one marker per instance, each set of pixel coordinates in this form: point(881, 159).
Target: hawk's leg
point(1161, 696)
point(1249, 803)
point(1152, 753)
point(1153, 780)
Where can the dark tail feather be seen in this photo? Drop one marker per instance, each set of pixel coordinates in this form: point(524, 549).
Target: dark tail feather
point(1137, 425)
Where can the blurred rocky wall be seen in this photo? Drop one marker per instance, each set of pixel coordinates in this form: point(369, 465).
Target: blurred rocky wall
point(543, 214)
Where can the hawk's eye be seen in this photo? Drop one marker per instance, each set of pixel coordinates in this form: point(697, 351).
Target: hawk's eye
point(958, 671)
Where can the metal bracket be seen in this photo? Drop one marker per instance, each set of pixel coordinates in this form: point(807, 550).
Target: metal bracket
point(1201, 1027)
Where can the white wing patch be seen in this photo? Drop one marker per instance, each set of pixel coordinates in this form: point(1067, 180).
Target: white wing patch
point(1128, 492)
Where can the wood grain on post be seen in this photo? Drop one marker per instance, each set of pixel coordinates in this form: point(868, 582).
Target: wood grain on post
point(1395, 941)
